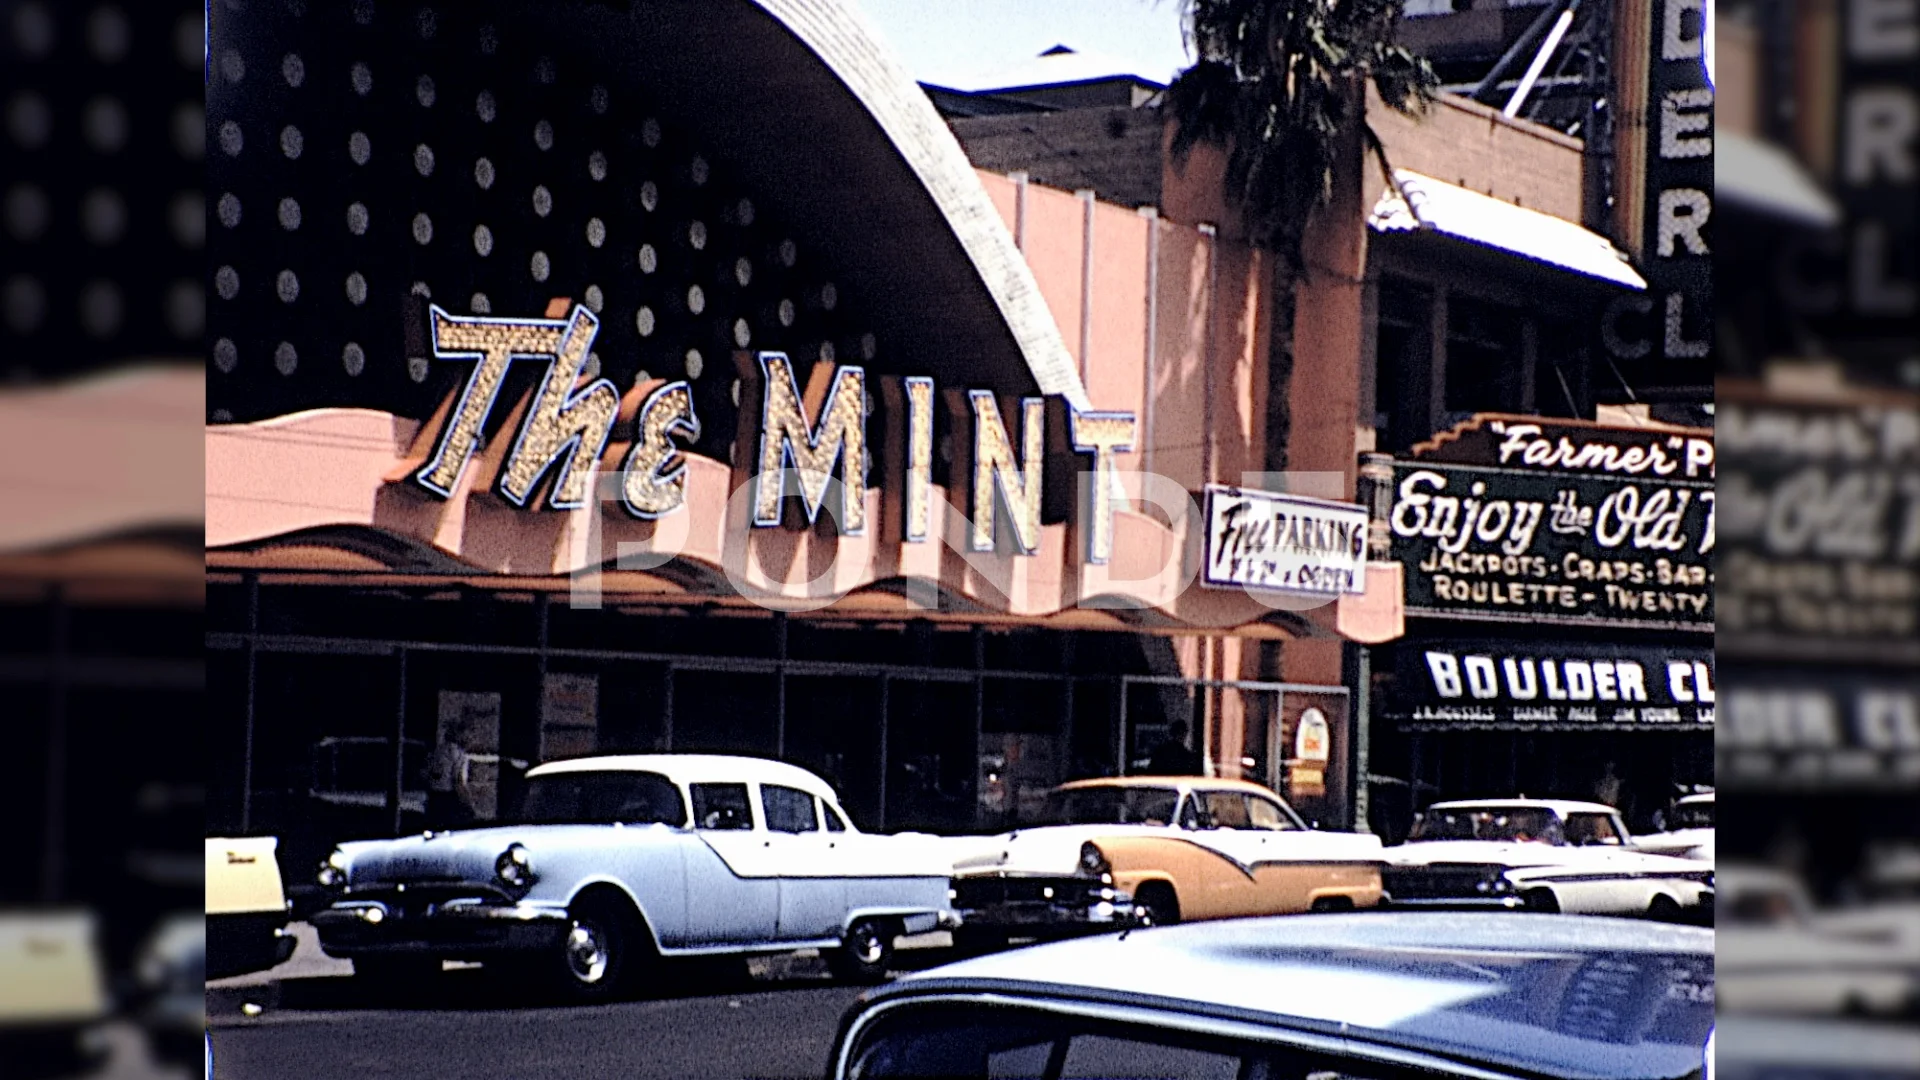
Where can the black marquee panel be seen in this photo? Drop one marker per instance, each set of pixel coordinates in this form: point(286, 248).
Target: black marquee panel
point(367, 158)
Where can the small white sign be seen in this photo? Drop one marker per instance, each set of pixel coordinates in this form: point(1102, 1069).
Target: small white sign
point(1284, 543)
point(1311, 741)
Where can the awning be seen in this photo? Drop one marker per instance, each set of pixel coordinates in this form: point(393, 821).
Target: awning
point(1419, 203)
point(1763, 177)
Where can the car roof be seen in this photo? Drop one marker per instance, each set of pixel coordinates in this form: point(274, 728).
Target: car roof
point(1505, 990)
point(695, 769)
point(1695, 800)
point(1218, 783)
point(1558, 806)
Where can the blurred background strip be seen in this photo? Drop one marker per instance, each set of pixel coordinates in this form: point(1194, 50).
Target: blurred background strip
point(102, 311)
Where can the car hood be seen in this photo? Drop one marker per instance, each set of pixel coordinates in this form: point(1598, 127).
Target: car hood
point(1676, 842)
point(1055, 849)
point(1516, 854)
point(470, 854)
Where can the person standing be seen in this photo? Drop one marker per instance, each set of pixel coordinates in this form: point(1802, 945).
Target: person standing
point(1173, 757)
point(449, 801)
point(1607, 789)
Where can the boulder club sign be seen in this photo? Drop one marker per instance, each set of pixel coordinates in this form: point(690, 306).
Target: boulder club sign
point(1517, 684)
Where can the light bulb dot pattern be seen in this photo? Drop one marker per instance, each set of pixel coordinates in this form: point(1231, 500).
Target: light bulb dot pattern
point(360, 171)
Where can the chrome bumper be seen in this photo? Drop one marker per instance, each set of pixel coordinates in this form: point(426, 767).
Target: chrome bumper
point(1455, 903)
point(1016, 916)
point(452, 929)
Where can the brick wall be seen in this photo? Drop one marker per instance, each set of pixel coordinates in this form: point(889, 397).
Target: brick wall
point(1470, 144)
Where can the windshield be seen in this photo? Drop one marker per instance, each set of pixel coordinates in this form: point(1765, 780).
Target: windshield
point(1481, 823)
point(1014, 1042)
point(1110, 806)
point(1691, 816)
point(603, 798)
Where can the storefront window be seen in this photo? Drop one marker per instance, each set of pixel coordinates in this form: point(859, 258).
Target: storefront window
point(1484, 358)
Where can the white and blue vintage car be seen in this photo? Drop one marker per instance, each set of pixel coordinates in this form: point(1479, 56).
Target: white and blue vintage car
point(618, 862)
point(1550, 855)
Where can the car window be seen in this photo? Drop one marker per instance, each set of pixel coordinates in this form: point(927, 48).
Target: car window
point(721, 807)
point(1522, 823)
point(1115, 805)
point(1591, 829)
point(1266, 814)
point(1190, 812)
point(788, 810)
point(1103, 1056)
point(835, 822)
point(1691, 816)
point(1227, 810)
point(603, 798)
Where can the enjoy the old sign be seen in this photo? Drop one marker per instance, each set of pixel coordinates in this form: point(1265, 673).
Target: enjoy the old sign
point(1284, 543)
point(1525, 546)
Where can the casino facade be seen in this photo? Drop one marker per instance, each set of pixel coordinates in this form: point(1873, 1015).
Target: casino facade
point(595, 377)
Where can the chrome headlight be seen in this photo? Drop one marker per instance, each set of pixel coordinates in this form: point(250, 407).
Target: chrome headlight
point(1092, 862)
point(514, 867)
point(333, 872)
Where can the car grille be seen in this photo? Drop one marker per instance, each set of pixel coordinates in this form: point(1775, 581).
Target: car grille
point(982, 892)
point(418, 896)
point(1437, 881)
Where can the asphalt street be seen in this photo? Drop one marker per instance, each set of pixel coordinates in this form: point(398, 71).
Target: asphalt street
point(309, 1021)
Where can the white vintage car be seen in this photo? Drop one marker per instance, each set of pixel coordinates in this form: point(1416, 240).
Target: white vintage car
point(1540, 855)
point(1884, 904)
point(1777, 953)
point(247, 910)
point(1110, 853)
point(1687, 831)
point(619, 861)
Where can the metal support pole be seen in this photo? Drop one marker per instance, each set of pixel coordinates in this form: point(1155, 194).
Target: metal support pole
point(1560, 27)
point(780, 684)
point(666, 710)
point(1067, 705)
point(1120, 725)
point(886, 722)
point(396, 790)
point(1520, 45)
point(250, 657)
point(1363, 740)
point(508, 794)
point(54, 861)
point(979, 711)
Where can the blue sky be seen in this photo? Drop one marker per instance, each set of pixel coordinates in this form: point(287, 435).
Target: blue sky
point(949, 41)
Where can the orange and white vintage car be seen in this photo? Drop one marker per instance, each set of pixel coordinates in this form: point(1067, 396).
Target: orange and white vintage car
point(1125, 851)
